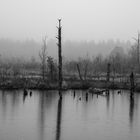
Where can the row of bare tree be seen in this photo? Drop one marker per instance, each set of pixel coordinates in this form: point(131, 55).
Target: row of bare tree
point(83, 68)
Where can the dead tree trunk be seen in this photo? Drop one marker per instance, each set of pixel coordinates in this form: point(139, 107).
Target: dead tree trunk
point(59, 56)
point(132, 84)
point(80, 76)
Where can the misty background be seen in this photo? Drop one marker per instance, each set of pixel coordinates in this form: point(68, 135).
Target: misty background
point(72, 50)
point(89, 27)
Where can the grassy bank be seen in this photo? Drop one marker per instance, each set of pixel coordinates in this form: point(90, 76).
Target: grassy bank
point(36, 83)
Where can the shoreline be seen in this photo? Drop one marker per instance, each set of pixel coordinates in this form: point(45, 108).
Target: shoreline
point(69, 84)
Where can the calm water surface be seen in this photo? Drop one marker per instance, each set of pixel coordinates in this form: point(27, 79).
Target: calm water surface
point(43, 116)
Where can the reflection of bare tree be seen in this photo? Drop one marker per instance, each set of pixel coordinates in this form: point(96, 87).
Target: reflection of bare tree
point(107, 101)
point(25, 94)
point(4, 103)
point(15, 101)
point(45, 105)
point(9, 102)
point(59, 114)
point(41, 115)
point(73, 94)
point(113, 100)
point(24, 97)
point(86, 96)
point(131, 111)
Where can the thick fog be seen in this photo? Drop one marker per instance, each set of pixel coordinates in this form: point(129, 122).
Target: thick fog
point(81, 19)
point(89, 27)
point(72, 50)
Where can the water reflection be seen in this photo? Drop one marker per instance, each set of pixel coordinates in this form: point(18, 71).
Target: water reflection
point(41, 113)
point(108, 100)
point(3, 102)
point(59, 115)
point(74, 94)
point(24, 97)
point(131, 110)
point(9, 102)
point(113, 101)
point(47, 113)
point(25, 94)
point(86, 96)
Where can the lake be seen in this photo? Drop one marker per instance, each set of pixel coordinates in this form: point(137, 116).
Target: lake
point(42, 115)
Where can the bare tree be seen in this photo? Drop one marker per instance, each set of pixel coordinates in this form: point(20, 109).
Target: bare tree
point(80, 76)
point(82, 67)
point(52, 68)
point(138, 45)
point(43, 57)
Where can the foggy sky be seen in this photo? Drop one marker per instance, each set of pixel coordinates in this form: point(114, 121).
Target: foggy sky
point(81, 19)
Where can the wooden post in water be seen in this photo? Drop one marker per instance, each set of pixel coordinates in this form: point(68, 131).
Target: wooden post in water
point(59, 57)
point(108, 72)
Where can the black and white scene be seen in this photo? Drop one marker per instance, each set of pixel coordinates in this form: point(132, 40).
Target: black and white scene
point(69, 69)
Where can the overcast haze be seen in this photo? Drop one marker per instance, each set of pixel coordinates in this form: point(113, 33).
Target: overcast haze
point(81, 19)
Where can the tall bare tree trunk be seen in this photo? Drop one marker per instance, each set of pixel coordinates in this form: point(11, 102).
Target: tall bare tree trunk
point(60, 57)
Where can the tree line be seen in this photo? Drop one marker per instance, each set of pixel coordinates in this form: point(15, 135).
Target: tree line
point(47, 67)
